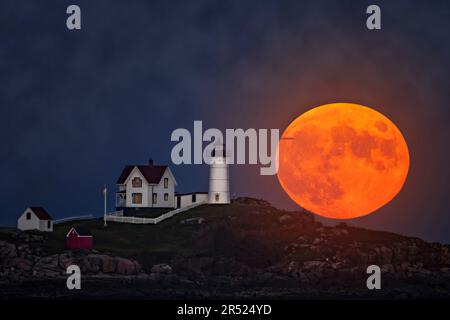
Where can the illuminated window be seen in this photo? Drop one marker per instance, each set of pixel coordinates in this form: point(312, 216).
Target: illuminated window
point(136, 182)
point(137, 198)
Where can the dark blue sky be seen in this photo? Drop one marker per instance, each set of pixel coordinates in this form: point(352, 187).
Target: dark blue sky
point(77, 106)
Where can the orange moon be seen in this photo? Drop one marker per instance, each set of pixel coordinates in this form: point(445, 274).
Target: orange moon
point(342, 160)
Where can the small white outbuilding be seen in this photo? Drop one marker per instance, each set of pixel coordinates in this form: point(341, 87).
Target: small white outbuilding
point(35, 218)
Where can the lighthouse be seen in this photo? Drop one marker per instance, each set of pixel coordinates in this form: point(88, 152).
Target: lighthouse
point(219, 182)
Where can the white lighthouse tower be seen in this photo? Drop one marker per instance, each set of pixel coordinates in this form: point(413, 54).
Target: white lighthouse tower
point(219, 181)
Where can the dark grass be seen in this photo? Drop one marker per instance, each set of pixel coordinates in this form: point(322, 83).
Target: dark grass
point(147, 243)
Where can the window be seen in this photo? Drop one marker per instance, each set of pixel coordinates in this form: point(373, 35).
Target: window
point(28, 215)
point(217, 196)
point(166, 183)
point(49, 224)
point(137, 198)
point(154, 198)
point(166, 197)
point(136, 182)
point(194, 197)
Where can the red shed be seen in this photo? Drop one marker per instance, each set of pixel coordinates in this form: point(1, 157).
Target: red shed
point(79, 239)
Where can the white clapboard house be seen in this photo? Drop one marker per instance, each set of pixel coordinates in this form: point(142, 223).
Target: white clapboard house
point(146, 186)
point(35, 218)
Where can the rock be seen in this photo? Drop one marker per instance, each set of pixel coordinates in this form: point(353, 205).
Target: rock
point(91, 263)
point(7, 250)
point(384, 255)
point(308, 265)
point(65, 260)
point(23, 247)
point(291, 248)
point(21, 264)
point(423, 271)
point(291, 267)
point(387, 268)
point(317, 241)
point(336, 232)
point(156, 276)
point(252, 201)
point(161, 268)
point(28, 236)
point(285, 218)
point(47, 266)
point(96, 263)
point(197, 220)
point(413, 250)
point(108, 264)
point(405, 266)
point(303, 277)
point(127, 267)
point(343, 232)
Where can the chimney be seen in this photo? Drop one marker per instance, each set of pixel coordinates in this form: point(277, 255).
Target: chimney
point(150, 162)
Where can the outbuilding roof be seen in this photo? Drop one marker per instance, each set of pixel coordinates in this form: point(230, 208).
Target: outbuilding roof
point(80, 232)
point(41, 213)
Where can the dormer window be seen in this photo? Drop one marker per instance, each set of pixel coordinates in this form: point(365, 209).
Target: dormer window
point(166, 183)
point(136, 182)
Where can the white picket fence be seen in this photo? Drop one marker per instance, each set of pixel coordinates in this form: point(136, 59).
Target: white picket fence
point(117, 216)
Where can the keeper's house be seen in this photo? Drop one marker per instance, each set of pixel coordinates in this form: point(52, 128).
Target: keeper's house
point(146, 186)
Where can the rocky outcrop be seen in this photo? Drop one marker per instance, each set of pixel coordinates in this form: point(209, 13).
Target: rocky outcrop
point(24, 262)
point(7, 251)
point(252, 201)
point(161, 268)
point(127, 266)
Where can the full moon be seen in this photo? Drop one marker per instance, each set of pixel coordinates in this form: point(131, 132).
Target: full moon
point(342, 160)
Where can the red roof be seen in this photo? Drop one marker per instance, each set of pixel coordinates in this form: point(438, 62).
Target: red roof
point(41, 213)
point(151, 173)
point(80, 232)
